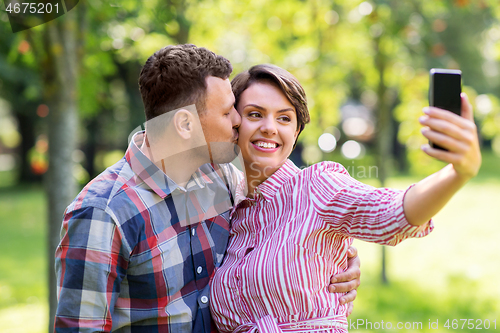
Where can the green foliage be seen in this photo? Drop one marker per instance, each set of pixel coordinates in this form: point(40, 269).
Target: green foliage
point(335, 49)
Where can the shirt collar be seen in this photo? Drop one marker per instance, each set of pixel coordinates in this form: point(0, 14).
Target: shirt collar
point(271, 185)
point(153, 176)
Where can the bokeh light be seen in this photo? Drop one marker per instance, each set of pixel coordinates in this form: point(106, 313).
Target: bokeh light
point(352, 149)
point(355, 126)
point(311, 154)
point(484, 104)
point(365, 8)
point(327, 142)
point(42, 111)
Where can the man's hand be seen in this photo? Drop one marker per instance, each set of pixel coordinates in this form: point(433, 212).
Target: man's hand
point(455, 133)
point(348, 281)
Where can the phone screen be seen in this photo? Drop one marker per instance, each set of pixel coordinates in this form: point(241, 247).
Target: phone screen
point(444, 91)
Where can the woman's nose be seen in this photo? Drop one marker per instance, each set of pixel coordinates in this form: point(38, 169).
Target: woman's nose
point(268, 126)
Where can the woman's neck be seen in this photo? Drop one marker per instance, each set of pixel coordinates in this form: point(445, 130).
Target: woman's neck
point(254, 179)
point(257, 175)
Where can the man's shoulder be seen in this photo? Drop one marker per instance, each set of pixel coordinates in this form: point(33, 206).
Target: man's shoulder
point(107, 187)
point(230, 170)
point(225, 170)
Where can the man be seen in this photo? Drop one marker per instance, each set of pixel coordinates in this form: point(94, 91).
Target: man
point(142, 240)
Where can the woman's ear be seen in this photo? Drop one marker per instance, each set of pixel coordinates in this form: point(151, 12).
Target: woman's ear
point(183, 123)
point(297, 133)
point(296, 136)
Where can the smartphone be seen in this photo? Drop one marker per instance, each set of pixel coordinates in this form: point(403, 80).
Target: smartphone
point(444, 91)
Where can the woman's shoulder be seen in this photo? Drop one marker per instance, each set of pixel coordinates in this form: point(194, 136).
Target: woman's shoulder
point(322, 169)
point(304, 177)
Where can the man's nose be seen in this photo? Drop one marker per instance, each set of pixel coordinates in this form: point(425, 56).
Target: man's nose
point(235, 118)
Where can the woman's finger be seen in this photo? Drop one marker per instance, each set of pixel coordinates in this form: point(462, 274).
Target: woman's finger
point(450, 117)
point(467, 110)
point(441, 155)
point(451, 144)
point(446, 127)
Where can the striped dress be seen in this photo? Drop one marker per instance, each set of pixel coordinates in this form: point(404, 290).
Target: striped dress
point(288, 241)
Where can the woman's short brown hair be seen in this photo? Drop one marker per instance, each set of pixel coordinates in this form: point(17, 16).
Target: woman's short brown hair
point(283, 79)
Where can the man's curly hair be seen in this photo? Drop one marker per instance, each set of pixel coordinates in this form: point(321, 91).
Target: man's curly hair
point(175, 76)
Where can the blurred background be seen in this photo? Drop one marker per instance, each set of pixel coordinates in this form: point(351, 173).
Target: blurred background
point(69, 99)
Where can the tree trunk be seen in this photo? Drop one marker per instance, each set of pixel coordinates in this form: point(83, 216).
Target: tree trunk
point(60, 89)
point(90, 147)
point(384, 132)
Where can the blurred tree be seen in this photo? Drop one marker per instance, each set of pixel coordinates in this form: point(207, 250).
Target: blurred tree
point(22, 89)
point(53, 63)
point(60, 66)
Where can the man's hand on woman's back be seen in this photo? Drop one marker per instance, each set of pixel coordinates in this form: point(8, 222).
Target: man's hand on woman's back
point(348, 281)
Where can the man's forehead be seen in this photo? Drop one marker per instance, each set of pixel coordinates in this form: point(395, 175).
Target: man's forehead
point(219, 91)
point(216, 83)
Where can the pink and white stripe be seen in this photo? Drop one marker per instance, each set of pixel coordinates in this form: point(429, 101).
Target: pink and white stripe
point(287, 242)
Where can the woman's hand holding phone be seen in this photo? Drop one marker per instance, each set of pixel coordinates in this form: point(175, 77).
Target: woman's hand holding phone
point(457, 134)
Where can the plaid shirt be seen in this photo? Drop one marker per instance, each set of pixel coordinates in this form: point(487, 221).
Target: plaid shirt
point(137, 251)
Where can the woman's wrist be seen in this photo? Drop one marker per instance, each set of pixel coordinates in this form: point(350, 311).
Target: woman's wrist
point(459, 178)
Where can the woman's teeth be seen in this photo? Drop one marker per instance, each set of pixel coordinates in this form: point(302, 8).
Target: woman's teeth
point(266, 145)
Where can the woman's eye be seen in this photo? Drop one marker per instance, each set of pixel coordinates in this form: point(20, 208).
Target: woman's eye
point(253, 115)
point(284, 118)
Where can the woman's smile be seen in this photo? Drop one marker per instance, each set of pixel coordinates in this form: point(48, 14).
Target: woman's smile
point(267, 146)
point(268, 129)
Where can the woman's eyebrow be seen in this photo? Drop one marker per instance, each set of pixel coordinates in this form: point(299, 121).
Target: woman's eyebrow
point(287, 110)
point(264, 109)
point(255, 106)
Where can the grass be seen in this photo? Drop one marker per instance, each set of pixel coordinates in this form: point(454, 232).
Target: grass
point(450, 274)
point(404, 303)
point(23, 278)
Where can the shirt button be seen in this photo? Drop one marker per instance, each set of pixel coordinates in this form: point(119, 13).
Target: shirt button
point(193, 231)
point(199, 269)
point(204, 299)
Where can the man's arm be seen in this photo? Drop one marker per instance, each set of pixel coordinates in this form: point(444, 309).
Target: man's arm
point(90, 265)
point(348, 281)
point(459, 136)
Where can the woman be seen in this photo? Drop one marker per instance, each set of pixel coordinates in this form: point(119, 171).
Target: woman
point(292, 229)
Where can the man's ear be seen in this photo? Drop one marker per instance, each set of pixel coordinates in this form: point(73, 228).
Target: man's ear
point(183, 123)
